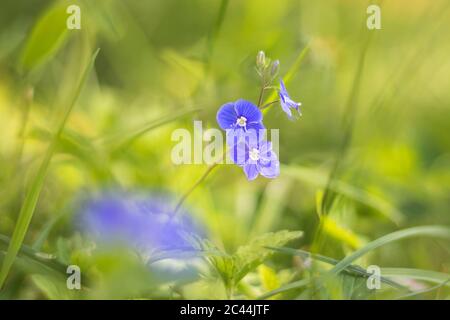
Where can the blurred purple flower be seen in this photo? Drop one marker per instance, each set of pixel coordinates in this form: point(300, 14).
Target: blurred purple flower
point(286, 102)
point(256, 157)
point(240, 116)
point(143, 222)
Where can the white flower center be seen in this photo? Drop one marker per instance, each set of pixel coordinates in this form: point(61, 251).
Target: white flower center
point(241, 121)
point(254, 154)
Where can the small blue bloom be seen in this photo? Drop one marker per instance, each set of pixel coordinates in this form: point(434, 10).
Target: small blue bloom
point(286, 102)
point(240, 116)
point(145, 223)
point(256, 157)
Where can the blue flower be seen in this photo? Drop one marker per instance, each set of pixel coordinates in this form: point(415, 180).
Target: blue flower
point(256, 157)
point(286, 102)
point(240, 116)
point(143, 222)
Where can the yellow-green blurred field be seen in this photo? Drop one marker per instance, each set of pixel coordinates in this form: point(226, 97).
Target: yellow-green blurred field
point(370, 156)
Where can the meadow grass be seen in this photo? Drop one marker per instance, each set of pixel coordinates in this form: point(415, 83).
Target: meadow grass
point(365, 166)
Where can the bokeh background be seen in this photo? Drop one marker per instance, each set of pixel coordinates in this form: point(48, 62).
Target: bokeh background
point(369, 156)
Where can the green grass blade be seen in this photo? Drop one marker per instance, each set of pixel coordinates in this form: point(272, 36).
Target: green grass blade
point(29, 253)
point(424, 291)
point(43, 235)
point(272, 206)
point(80, 147)
point(296, 65)
point(125, 140)
point(212, 37)
point(430, 231)
point(319, 179)
point(346, 263)
point(348, 125)
point(291, 286)
point(353, 269)
point(417, 274)
point(32, 195)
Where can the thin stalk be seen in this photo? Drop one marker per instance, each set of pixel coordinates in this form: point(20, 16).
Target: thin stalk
point(28, 100)
point(261, 93)
point(268, 104)
point(195, 185)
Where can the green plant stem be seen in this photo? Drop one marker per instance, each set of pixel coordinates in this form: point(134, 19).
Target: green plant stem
point(261, 92)
point(28, 100)
point(194, 186)
point(230, 291)
point(268, 104)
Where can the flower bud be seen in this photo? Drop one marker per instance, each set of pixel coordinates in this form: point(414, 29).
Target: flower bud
point(261, 60)
point(275, 68)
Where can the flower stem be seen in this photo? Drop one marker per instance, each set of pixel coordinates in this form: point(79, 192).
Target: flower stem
point(194, 186)
point(261, 93)
point(269, 104)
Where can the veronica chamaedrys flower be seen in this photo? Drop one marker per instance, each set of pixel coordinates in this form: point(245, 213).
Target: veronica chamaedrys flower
point(240, 117)
point(143, 222)
point(286, 102)
point(256, 157)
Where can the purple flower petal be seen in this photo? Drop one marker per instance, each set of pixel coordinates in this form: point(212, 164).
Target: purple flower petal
point(271, 170)
point(286, 102)
point(248, 110)
point(265, 148)
point(239, 153)
point(226, 116)
point(251, 171)
point(256, 126)
point(286, 108)
point(283, 90)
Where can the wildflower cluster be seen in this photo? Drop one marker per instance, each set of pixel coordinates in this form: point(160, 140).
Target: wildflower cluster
point(243, 122)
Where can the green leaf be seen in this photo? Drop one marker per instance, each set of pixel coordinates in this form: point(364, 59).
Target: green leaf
point(33, 257)
point(351, 269)
point(34, 190)
point(248, 257)
point(46, 37)
point(268, 277)
point(430, 231)
point(232, 268)
point(345, 235)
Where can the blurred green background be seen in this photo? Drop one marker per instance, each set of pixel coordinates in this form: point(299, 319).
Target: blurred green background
point(370, 153)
